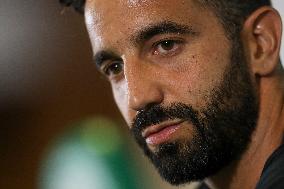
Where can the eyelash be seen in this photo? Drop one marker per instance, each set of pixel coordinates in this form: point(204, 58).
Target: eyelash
point(171, 52)
point(106, 69)
point(176, 42)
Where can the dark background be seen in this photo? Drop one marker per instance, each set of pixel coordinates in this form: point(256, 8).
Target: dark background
point(47, 81)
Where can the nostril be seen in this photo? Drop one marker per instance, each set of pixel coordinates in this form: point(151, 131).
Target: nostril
point(150, 106)
point(145, 101)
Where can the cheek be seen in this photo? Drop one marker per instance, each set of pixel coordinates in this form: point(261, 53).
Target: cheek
point(198, 77)
point(120, 95)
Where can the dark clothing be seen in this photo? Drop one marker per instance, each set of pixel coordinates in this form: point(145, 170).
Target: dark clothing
point(203, 186)
point(272, 176)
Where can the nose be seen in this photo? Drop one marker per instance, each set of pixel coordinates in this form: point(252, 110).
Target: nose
point(144, 85)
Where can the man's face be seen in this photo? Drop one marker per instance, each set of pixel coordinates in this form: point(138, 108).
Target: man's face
point(183, 88)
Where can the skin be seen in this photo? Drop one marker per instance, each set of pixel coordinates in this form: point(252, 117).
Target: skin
point(190, 68)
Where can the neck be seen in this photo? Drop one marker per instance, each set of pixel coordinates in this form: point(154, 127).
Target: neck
point(267, 137)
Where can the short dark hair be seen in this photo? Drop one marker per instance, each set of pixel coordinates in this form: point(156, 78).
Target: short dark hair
point(231, 13)
point(78, 5)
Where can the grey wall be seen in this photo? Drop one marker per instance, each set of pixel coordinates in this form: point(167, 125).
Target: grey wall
point(279, 4)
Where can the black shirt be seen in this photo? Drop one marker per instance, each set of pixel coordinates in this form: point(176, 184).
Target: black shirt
point(272, 176)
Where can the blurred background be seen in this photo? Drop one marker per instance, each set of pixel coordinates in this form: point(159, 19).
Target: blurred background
point(59, 126)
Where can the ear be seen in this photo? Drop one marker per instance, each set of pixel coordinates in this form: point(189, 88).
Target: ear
point(261, 36)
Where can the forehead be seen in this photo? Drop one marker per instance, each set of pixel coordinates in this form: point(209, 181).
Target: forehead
point(112, 22)
point(134, 7)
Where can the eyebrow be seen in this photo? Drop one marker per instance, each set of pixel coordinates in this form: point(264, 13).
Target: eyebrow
point(164, 27)
point(104, 55)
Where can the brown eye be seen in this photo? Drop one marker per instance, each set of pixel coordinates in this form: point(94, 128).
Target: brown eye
point(167, 47)
point(113, 69)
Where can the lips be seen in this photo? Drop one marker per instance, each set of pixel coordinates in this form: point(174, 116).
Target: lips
point(158, 134)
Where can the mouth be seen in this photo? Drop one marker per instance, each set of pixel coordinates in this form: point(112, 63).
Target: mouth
point(161, 133)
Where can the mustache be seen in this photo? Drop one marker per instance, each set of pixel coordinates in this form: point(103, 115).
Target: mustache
point(156, 114)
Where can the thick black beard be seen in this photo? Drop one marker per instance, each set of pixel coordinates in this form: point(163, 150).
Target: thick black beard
point(222, 131)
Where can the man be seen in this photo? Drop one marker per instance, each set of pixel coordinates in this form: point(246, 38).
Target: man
point(199, 83)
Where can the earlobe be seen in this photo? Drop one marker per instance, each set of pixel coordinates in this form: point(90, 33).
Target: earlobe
point(262, 37)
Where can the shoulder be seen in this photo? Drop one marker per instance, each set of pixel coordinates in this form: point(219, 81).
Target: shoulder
point(272, 176)
point(203, 186)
